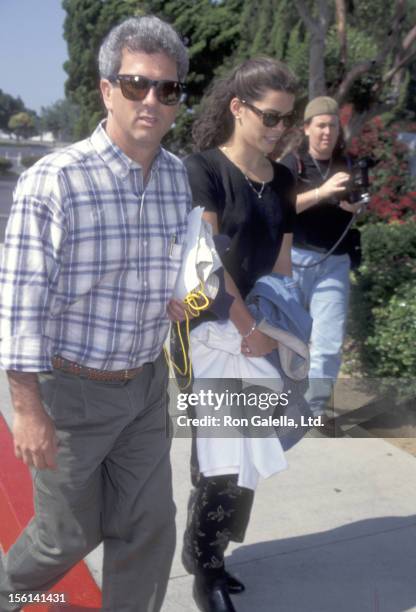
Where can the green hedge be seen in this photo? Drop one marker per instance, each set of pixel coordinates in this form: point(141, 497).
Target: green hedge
point(389, 258)
point(383, 304)
point(29, 160)
point(5, 164)
point(394, 334)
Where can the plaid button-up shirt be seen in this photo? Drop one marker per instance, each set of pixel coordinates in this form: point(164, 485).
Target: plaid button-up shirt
point(91, 258)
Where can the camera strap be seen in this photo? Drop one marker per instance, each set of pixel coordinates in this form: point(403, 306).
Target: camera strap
point(331, 250)
point(346, 230)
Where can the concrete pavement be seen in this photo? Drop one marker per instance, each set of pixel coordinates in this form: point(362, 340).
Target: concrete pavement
point(335, 532)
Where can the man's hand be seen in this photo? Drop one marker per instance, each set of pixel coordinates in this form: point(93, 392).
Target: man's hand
point(258, 344)
point(35, 440)
point(176, 310)
point(34, 434)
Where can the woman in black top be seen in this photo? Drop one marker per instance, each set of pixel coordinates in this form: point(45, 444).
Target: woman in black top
point(322, 171)
point(256, 225)
point(251, 200)
point(321, 168)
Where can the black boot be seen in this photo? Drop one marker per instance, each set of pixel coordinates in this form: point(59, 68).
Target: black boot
point(234, 585)
point(211, 595)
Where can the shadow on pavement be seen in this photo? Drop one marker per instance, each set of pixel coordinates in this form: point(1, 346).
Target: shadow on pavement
point(368, 565)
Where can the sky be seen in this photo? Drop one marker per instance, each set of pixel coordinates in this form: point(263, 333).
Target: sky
point(32, 51)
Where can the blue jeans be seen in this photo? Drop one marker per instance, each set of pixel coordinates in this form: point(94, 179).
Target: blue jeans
point(324, 291)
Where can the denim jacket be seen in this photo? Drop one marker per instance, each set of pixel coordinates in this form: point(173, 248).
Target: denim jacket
point(275, 303)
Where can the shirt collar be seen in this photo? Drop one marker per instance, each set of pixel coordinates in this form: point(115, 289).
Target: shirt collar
point(111, 154)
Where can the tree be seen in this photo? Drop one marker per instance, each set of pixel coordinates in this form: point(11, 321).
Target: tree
point(60, 119)
point(86, 24)
point(8, 106)
point(265, 28)
point(211, 31)
point(381, 74)
point(359, 52)
point(22, 124)
point(356, 51)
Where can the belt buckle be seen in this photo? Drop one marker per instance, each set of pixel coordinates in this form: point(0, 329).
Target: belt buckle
point(126, 375)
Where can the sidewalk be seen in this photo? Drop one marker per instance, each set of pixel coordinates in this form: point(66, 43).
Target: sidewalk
point(336, 532)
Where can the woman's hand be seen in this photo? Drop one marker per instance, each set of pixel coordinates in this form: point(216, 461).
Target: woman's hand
point(257, 344)
point(352, 208)
point(333, 186)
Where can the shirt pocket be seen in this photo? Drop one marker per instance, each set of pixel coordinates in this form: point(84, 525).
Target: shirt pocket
point(175, 258)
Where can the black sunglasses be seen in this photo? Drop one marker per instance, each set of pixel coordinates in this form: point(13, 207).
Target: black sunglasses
point(272, 118)
point(136, 87)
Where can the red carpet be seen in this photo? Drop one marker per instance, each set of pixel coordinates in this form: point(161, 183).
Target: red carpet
point(16, 509)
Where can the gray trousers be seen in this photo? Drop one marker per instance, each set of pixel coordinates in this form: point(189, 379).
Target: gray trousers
point(113, 484)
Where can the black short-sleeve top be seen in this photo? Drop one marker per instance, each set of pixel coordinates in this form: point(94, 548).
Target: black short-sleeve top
point(320, 225)
point(255, 225)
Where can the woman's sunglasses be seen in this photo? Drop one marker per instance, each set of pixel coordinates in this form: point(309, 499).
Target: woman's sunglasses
point(136, 87)
point(272, 118)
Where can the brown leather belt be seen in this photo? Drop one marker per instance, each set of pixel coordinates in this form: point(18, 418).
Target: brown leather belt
point(71, 367)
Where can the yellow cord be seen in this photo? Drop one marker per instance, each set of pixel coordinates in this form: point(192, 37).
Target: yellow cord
point(192, 301)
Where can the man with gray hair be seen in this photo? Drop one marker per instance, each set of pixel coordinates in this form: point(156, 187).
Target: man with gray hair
point(92, 251)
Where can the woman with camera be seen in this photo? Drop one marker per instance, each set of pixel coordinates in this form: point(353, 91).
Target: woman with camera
point(323, 170)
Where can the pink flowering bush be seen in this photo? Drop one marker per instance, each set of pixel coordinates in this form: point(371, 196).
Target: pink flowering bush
point(383, 308)
point(393, 192)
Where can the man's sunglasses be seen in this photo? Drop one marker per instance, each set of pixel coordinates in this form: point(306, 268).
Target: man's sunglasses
point(136, 87)
point(272, 118)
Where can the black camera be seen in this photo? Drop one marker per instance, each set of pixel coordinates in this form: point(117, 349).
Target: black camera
point(357, 190)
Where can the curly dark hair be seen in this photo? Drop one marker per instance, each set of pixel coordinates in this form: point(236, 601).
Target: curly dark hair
point(248, 81)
